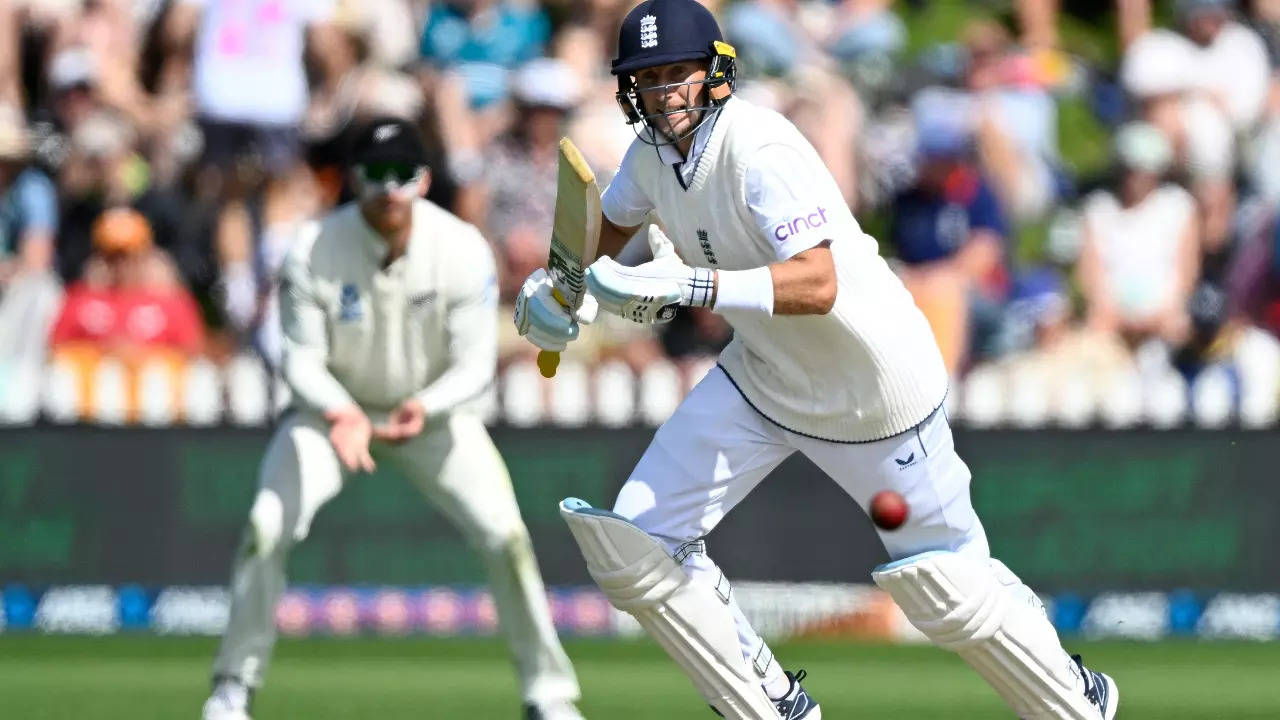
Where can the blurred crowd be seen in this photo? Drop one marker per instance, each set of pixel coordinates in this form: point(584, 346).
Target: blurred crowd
point(1069, 205)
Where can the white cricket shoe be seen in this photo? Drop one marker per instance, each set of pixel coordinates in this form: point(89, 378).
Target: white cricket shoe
point(1100, 690)
point(552, 711)
point(228, 701)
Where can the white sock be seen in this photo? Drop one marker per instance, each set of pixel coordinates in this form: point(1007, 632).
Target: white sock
point(778, 686)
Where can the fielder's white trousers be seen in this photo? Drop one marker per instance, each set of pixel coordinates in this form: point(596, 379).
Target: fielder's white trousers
point(457, 467)
point(716, 448)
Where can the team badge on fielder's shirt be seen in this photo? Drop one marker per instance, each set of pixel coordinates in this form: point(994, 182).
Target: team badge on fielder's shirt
point(422, 299)
point(349, 309)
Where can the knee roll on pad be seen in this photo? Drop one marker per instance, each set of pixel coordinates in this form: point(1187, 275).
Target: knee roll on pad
point(982, 611)
point(688, 619)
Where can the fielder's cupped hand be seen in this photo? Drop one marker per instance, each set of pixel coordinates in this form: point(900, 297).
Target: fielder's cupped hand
point(543, 320)
point(349, 433)
point(404, 422)
point(650, 293)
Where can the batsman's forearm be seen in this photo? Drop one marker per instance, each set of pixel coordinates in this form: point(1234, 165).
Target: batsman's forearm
point(803, 285)
point(473, 359)
point(806, 284)
point(613, 237)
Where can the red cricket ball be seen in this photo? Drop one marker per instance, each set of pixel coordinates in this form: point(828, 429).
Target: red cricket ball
point(888, 510)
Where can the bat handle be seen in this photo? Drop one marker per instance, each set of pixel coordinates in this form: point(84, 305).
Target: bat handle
point(548, 361)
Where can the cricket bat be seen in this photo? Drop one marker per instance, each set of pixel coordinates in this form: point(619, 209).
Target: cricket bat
point(575, 235)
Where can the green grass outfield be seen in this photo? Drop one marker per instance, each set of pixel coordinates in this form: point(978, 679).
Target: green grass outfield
point(143, 677)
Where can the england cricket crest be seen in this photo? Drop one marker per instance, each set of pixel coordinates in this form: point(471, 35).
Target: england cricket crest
point(648, 31)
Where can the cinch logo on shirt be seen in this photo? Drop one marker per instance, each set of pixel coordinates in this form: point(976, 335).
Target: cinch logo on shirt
point(805, 222)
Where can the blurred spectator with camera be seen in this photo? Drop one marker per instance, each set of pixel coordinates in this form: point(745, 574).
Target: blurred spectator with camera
point(29, 291)
point(949, 231)
point(1141, 251)
point(1160, 72)
point(467, 54)
point(104, 167)
point(1230, 59)
point(248, 78)
point(129, 299)
point(1014, 119)
point(517, 192)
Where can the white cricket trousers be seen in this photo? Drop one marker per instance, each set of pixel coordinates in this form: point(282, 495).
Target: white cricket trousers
point(716, 448)
point(457, 467)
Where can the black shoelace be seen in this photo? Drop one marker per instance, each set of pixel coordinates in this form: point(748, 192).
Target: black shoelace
point(1090, 686)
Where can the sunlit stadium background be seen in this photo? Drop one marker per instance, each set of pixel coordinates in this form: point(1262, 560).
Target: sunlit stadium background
point(1081, 195)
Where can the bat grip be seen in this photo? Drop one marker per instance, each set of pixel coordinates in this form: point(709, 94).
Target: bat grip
point(549, 360)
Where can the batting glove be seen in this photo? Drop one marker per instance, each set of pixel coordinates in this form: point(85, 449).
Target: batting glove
point(543, 320)
point(650, 293)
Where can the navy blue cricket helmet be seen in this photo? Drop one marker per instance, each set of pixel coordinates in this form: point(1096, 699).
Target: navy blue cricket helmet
point(660, 32)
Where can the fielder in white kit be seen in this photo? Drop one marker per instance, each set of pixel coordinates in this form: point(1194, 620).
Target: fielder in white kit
point(388, 309)
point(830, 357)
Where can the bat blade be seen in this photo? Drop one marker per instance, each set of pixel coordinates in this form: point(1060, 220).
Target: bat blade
point(575, 235)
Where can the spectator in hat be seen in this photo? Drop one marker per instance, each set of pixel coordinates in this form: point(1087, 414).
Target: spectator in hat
point(1160, 71)
point(73, 80)
point(248, 78)
point(483, 41)
point(129, 298)
point(29, 291)
point(1056, 356)
point(104, 169)
point(1231, 62)
point(1140, 256)
point(1015, 120)
point(948, 230)
point(518, 190)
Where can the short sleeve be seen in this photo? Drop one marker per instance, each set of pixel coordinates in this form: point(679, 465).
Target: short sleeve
point(623, 202)
point(38, 203)
point(785, 203)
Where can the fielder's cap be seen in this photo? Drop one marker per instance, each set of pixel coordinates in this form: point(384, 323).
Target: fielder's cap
point(120, 231)
point(658, 32)
point(388, 140)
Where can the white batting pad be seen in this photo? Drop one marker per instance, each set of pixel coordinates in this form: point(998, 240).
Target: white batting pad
point(980, 610)
point(688, 619)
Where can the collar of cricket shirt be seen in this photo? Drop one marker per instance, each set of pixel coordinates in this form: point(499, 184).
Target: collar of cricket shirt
point(670, 154)
point(375, 246)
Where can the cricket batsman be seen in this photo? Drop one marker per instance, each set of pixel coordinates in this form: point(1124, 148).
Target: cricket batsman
point(830, 358)
point(388, 310)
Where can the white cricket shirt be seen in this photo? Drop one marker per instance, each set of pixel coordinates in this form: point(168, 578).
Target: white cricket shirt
point(355, 331)
point(758, 194)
